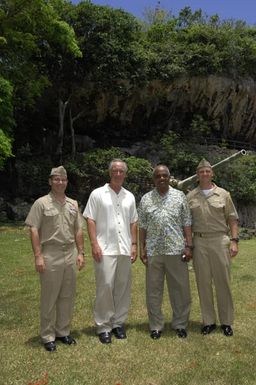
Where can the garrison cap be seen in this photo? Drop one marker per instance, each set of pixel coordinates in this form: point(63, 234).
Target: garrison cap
point(60, 171)
point(203, 163)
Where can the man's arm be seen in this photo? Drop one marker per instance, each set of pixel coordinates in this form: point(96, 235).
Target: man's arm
point(80, 247)
point(36, 246)
point(96, 250)
point(143, 251)
point(188, 242)
point(133, 228)
point(233, 225)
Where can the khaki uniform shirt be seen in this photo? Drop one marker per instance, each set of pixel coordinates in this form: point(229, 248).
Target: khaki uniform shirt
point(56, 222)
point(211, 213)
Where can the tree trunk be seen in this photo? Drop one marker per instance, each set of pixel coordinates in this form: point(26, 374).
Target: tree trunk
point(72, 131)
point(62, 111)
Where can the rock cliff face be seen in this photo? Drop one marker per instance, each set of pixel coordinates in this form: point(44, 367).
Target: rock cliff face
point(229, 106)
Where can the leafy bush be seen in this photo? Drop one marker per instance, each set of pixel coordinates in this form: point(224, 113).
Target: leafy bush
point(179, 156)
point(240, 179)
point(92, 171)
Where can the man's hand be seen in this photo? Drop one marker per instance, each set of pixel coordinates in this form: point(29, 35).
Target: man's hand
point(233, 249)
point(39, 263)
point(96, 252)
point(188, 254)
point(143, 256)
point(80, 261)
point(134, 253)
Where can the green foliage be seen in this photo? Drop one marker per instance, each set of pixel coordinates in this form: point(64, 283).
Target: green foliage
point(32, 180)
point(5, 148)
point(155, 16)
point(179, 156)
point(199, 126)
point(138, 167)
point(34, 34)
point(6, 121)
point(194, 44)
point(110, 41)
point(6, 107)
point(92, 171)
point(240, 179)
point(95, 162)
point(84, 53)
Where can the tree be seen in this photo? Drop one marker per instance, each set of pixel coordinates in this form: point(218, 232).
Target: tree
point(6, 120)
point(113, 61)
point(34, 40)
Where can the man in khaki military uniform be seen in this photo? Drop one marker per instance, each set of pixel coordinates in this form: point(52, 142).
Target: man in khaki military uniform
point(57, 242)
point(213, 216)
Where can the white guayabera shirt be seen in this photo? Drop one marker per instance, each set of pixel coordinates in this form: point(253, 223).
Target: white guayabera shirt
point(113, 214)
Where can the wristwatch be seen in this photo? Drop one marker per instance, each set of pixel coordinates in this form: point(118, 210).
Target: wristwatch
point(235, 239)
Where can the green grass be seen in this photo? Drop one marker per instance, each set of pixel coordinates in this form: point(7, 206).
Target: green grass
point(197, 360)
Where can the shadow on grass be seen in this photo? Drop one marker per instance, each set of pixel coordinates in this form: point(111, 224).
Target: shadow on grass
point(35, 341)
point(140, 327)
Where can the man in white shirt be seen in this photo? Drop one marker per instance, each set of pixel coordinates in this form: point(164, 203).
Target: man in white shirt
point(112, 227)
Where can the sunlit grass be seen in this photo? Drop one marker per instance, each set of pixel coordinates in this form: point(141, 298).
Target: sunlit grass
point(197, 360)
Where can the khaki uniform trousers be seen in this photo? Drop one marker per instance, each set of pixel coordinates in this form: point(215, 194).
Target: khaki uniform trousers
point(113, 291)
point(58, 285)
point(177, 277)
point(212, 262)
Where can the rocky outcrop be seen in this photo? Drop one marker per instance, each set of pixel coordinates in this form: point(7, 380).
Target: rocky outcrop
point(13, 211)
point(228, 105)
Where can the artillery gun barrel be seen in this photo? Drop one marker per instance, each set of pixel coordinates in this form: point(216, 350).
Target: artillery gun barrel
point(184, 184)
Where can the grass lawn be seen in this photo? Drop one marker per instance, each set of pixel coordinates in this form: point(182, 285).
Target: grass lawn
point(139, 360)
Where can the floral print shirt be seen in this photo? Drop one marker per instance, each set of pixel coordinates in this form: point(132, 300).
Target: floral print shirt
point(164, 218)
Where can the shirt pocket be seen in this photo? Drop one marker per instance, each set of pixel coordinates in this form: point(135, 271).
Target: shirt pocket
point(194, 205)
point(217, 204)
point(51, 216)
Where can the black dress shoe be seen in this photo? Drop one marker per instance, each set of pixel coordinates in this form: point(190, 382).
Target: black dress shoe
point(181, 333)
point(68, 340)
point(50, 346)
point(119, 332)
point(207, 329)
point(227, 330)
point(105, 338)
point(155, 334)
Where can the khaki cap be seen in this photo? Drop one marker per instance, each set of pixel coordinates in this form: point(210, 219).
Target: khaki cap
point(59, 171)
point(203, 163)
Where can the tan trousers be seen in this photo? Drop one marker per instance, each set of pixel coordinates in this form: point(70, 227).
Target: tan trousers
point(58, 285)
point(113, 291)
point(176, 273)
point(212, 262)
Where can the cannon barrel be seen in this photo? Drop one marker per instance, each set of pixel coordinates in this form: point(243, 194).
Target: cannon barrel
point(184, 184)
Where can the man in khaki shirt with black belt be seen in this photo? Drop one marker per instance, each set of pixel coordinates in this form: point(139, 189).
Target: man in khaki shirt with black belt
point(213, 217)
point(57, 242)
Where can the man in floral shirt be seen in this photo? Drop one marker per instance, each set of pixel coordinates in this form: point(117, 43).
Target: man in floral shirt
point(165, 246)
